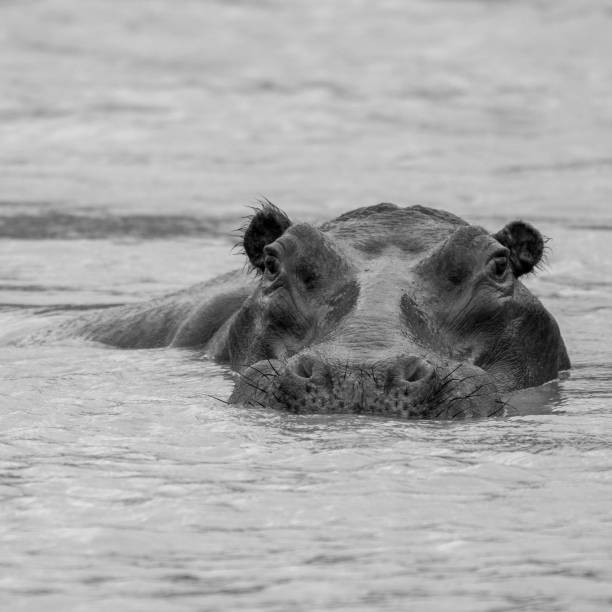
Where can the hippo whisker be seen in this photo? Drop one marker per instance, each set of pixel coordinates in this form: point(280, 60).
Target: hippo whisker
point(501, 411)
point(266, 375)
point(218, 399)
point(464, 398)
point(272, 366)
point(436, 393)
point(372, 373)
point(449, 375)
point(250, 383)
point(440, 395)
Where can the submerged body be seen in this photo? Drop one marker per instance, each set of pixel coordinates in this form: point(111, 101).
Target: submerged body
point(409, 312)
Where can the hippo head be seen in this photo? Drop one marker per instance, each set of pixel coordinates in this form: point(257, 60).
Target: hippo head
point(410, 312)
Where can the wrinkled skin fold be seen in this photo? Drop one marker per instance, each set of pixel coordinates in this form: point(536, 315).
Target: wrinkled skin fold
point(407, 312)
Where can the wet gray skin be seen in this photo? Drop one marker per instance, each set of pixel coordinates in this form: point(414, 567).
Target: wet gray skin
point(407, 312)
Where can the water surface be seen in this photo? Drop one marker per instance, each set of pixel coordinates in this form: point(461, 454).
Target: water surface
point(133, 135)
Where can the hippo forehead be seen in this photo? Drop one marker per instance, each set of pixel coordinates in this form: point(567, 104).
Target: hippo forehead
point(389, 243)
point(389, 257)
point(386, 228)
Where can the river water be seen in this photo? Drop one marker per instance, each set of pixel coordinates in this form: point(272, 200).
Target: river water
point(133, 134)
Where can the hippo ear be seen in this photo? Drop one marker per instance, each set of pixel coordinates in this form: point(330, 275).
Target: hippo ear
point(525, 243)
point(265, 226)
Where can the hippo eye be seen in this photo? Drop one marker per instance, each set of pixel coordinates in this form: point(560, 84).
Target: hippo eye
point(499, 266)
point(307, 274)
point(271, 266)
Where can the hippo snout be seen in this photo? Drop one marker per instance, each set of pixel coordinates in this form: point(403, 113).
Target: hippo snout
point(410, 374)
point(407, 386)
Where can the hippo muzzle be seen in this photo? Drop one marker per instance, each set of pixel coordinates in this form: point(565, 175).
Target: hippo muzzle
point(404, 387)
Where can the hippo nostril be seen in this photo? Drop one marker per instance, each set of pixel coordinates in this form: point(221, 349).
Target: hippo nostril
point(407, 373)
point(312, 371)
point(414, 369)
point(304, 367)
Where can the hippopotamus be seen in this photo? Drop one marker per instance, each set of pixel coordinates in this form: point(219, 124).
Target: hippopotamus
point(405, 312)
